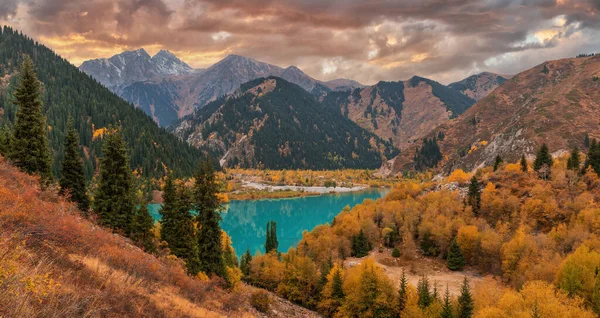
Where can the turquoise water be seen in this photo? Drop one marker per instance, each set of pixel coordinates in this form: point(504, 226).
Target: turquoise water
point(246, 221)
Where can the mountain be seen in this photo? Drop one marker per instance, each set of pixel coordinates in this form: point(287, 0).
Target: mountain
point(129, 67)
point(168, 96)
point(557, 103)
point(478, 86)
point(403, 111)
point(275, 124)
point(68, 91)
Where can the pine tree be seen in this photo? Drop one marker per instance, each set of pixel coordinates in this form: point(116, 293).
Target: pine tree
point(497, 162)
point(447, 307)
point(207, 204)
point(424, 293)
point(403, 292)
point(593, 157)
point(72, 180)
point(543, 162)
point(177, 227)
point(455, 259)
point(465, 300)
point(474, 196)
point(271, 243)
point(5, 138)
point(586, 140)
point(142, 227)
point(337, 283)
point(29, 146)
point(114, 201)
point(574, 160)
point(245, 263)
point(360, 245)
point(523, 163)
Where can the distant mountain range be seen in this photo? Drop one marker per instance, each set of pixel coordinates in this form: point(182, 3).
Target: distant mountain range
point(478, 86)
point(270, 122)
point(556, 102)
point(167, 89)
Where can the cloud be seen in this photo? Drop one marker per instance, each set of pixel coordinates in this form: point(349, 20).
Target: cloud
point(365, 40)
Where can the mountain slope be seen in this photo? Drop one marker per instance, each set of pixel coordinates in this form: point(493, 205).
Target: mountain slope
point(275, 124)
point(167, 96)
point(68, 91)
point(557, 103)
point(129, 67)
point(479, 85)
point(400, 111)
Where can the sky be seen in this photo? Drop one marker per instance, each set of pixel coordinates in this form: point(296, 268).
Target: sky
point(363, 40)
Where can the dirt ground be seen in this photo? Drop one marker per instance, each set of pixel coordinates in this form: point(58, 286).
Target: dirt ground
point(434, 268)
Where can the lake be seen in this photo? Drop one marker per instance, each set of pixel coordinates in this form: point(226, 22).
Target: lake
point(246, 221)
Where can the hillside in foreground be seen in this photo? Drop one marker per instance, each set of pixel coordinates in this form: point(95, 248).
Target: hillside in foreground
point(55, 263)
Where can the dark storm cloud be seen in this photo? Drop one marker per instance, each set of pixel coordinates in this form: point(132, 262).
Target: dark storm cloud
point(367, 40)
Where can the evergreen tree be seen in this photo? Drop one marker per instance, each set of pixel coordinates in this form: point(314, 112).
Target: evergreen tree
point(5, 138)
point(337, 291)
point(543, 161)
point(114, 202)
point(208, 207)
point(245, 263)
point(72, 179)
point(403, 293)
point(177, 228)
point(428, 156)
point(29, 146)
point(271, 243)
point(447, 306)
point(497, 162)
point(428, 245)
point(142, 227)
point(424, 293)
point(593, 157)
point(455, 259)
point(586, 140)
point(360, 245)
point(465, 300)
point(474, 196)
point(574, 160)
point(523, 163)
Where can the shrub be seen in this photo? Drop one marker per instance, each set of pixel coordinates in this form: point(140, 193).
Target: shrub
point(260, 300)
point(396, 252)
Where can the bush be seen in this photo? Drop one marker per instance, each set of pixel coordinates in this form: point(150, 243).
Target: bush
point(396, 252)
point(260, 300)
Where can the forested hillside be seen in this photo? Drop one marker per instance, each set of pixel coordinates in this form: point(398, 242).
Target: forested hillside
point(68, 91)
point(275, 124)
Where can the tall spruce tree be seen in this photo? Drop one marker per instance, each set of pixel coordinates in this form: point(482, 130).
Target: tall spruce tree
point(497, 162)
point(574, 161)
point(114, 201)
point(207, 204)
point(245, 263)
point(474, 196)
point(5, 138)
point(447, 306)
point(465, 300)
point(360, 245)
point(141, 229)
point(543, 158)
point(523, 163)
point(455, 259)
point(72, 180)
point(177, 227)
point(424, 293)
point(403, 292)
point(271, 243)
point(29, 146)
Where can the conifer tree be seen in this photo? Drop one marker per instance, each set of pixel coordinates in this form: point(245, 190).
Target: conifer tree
point(543, 159)
point(593, 158)
point(29, 146)
point(5, 138)
point(447, 306)
point(142, 227)
point(360, 245)
point(497, 162)
point(574, 160)
point(455, 259)
point(177, 228)
point(474, 196)
point(337, 291)
point(465, 300)
point(245, 263)
point(586, 140)
point(271, 243)
point(523, 163)
point(114, 201)
point(207, 204)
point(424, 293)
point(403, 293)
point(72, 180)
